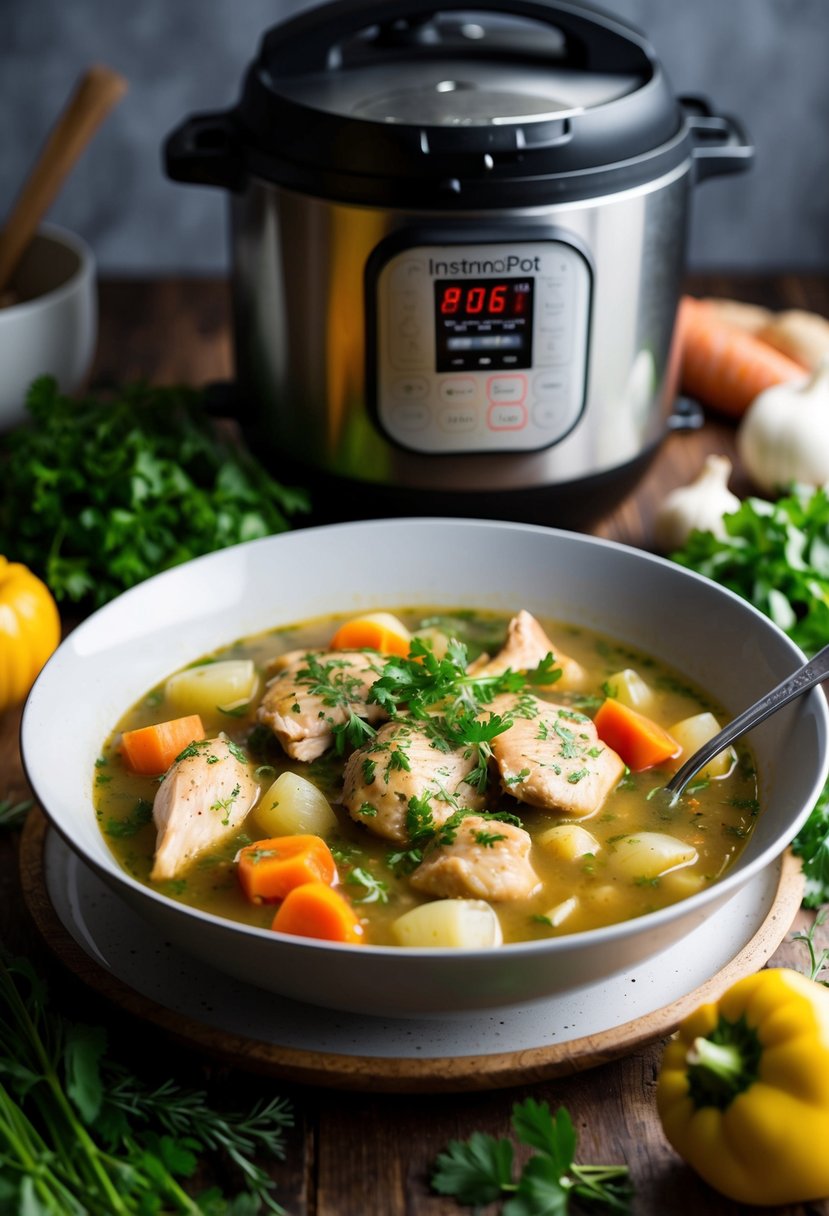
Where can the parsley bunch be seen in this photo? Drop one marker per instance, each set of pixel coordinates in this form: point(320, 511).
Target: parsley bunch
point(776, 555)
point(81, 1136)
point(480, 1170)
point(97, 495)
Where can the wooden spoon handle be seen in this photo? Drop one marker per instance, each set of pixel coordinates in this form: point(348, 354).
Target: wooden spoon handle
point(95, 94)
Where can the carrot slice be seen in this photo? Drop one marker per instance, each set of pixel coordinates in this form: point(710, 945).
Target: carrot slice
point(315, 910)
point(725, 367)
point(377, 631)
point(152, 749)
point(269, 869)
point(641, 742)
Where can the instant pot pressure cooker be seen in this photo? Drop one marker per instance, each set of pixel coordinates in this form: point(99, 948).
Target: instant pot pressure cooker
point(458, 243)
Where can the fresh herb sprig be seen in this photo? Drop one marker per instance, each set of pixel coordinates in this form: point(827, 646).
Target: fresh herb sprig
point(422, 682)
point(818, 960)
point(449, 699)
point(119, 489)
point(81, 1136)
point(480, 1170)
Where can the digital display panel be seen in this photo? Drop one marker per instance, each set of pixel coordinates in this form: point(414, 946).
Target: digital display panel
point(483, 323)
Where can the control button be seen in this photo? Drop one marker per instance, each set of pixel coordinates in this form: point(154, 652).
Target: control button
point(409, 272)
point(458, 418)
point(409, 328)
point(409, 352)
point(410, 388)
point(550, 415)
point(506, 388)
point(409, 415)
point(511, 417)
point(553, 346)
point(458, 389)
point(550, 386)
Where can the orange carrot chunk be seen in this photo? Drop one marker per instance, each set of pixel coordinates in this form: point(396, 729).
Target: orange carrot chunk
point(316, 910)
point(269, 869)
point(380, 631)
point(152, 749)
point(638, 740)
point(725, 367)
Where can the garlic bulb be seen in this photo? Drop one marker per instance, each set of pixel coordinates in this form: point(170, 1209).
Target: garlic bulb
point(784, 435)
point(702, 505)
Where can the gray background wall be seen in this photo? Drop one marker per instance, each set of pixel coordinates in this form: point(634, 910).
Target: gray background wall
point(766, 61)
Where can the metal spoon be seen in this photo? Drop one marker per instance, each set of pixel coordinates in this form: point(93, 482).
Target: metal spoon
point(795, 685)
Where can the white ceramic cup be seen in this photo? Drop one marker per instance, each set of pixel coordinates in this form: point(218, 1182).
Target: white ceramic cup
point(52, 327)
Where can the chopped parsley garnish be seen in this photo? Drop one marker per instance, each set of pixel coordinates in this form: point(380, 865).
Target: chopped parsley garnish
point(377, 891)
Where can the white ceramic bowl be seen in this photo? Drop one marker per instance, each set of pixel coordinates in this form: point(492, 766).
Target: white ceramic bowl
point(714, 638)
point(53, 326)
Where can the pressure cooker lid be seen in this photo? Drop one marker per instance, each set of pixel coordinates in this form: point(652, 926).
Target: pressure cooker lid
point(446, 92)
point(486, 102)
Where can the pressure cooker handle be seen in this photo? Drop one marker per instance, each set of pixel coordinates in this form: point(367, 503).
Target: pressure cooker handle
point(720, 145)
point(311, 41)
point(206, 149)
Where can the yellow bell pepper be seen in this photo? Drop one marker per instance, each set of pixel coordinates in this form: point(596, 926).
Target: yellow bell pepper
point(743, 1092)
point(29, 630)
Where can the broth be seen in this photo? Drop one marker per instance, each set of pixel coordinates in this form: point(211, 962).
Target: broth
point(714, 817)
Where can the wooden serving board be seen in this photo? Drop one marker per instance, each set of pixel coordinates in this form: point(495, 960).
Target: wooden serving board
point(409, 1073)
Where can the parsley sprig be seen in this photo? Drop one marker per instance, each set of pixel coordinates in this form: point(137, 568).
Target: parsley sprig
point(119, 489)
point(423, 682)
point(449, 699)
point(480, 1170)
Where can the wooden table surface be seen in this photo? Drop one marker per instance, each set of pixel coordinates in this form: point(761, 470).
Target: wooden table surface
point(357, 1154)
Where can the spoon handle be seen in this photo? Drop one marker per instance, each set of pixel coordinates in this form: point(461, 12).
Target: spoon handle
point(95, 94)
point(795, 685)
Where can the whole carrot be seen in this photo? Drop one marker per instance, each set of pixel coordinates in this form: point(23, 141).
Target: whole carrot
point(724, 367)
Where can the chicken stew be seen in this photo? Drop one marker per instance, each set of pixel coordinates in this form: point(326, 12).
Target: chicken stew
point(442, 778)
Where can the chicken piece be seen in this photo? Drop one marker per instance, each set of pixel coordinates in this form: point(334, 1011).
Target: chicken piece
point(204, 797)
point(478, 859)
point(526, 645)
point(313, 691)
point(403, 762)
point(552, 757)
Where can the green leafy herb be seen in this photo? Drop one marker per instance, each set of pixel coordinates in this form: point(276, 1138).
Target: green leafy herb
point(480, 1170)
point(82, 1136)
point(117, 490)
point(376, 891)
point(122, 829)
point(442, 694)
point(776, 555)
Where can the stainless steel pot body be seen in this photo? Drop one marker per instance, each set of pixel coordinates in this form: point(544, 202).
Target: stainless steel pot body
point(302, 340)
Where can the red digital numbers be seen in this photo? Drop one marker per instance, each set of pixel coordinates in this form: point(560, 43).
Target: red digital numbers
point(477, 299)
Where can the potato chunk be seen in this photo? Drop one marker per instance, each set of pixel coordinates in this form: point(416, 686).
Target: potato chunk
point(292, 806)
point(691, 733)
point(463, 923)
point(561, 912)
point(628, 687)
point(568, 841)
point(212, 686)
point(647, 855)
